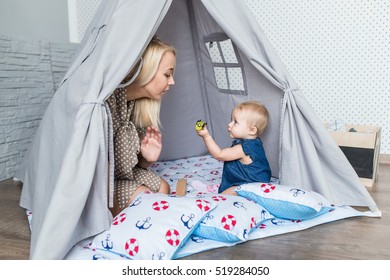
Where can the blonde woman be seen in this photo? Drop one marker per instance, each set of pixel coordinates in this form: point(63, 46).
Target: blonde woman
point(245, 161)
point(135, 109)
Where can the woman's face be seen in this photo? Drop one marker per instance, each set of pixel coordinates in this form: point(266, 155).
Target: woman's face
point(163, 79)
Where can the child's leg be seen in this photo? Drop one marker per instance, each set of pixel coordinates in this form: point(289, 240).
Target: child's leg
point(133, 189)
point(230, 191)
point(165, 188)
point(119, 207)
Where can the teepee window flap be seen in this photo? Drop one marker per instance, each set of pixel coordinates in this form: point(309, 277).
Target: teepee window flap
point(227, 66)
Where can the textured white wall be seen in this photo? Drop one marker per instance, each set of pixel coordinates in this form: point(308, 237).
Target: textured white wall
point(30, 72)
point(338, 51)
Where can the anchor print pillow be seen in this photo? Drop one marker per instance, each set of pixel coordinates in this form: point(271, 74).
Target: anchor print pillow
point(286, 202)
point(232, 220)
point(154, 226)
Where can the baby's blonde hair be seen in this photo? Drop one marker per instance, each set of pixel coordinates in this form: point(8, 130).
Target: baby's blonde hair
point(258, 117)
point(147, 111)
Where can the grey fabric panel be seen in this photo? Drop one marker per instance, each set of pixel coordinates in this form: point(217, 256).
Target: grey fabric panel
point(311, 158)
point(259, 88)
point(217, 105)
point(239, 24)
point(300, 160)
point(183, 105)
point(65, 179)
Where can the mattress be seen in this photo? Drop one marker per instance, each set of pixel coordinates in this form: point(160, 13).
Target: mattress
point(173, 227)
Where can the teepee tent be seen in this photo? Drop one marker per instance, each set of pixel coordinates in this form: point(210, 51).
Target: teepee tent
point(223, 58)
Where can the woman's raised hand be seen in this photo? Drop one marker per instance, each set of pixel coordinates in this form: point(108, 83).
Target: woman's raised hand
point(151, 144)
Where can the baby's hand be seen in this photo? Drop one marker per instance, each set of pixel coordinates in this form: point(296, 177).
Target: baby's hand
point(200, 125)
point(203, 132)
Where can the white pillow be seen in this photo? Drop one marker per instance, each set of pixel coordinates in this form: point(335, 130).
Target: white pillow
point(232, 220)
point(286, 202)
point(154, 226)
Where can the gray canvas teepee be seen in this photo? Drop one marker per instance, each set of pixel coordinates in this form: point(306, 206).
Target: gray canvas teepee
point(222, 58)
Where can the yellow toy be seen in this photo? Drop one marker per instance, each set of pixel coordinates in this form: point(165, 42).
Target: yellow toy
point(199, 125)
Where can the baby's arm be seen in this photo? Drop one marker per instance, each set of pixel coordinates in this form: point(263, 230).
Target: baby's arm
point(227, 154)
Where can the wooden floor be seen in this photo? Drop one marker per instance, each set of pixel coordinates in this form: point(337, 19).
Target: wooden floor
point(353, 238)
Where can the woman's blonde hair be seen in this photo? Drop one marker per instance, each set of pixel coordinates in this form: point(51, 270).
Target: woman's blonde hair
point(147, 111)
point(259, 114)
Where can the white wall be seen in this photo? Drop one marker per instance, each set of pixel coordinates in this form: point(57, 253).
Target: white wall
point(338, 51)
point(80, 14)
point(35, 19)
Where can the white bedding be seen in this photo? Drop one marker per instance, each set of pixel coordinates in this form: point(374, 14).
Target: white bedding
point(203, 176)
point(85, 251)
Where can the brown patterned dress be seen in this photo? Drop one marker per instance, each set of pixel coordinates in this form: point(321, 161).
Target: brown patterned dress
point(128, 176)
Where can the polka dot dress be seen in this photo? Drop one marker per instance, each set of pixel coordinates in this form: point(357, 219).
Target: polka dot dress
point(128, 177)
